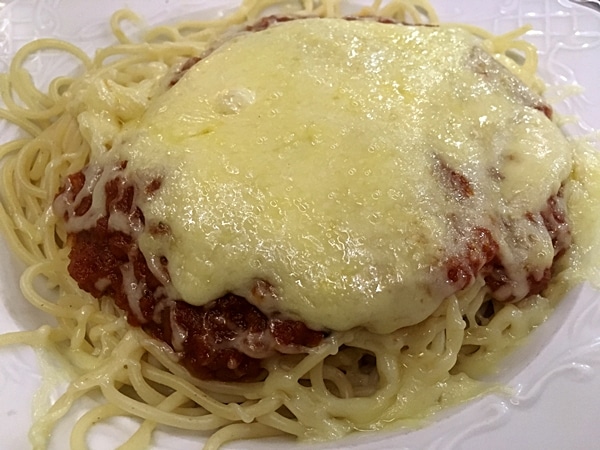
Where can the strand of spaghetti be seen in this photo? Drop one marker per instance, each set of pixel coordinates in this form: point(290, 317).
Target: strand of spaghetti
point(35, 338)
point(225, 394)
point(404, 12)
point(417, 12)
point(502, 45)
point(308, 5)
point(435, 355)
point(53, 108)
point(278, 422)
point(488, 335)
point(106, 334)
point(490, 341)
point(22, 83)
point(221, 391)
point(471, 310)
point(75, 390)
point(374, 8)
point(83, 359)
point(248, 11)
point(360, 409)
point(58, 87)
point(177, 33)
point(357, 369)
point(63, 133)
point(136, 408)
point(421, 336)
point(33, 229)
point(332, 8)
point(42, 427)
point(12, 146)
point(78, 438)
point(24, 124)
point(454, 335)
point(36, 299)
point(317, 378)
point(209, 27)
point(232, 412)
point(336, 376)
point(28, 163)
point(143, 435)
point(425, 6)
point(166, 357)
point(147, 393)
point(28, 226)
point(79, 332)
point(45, 44)
point(18, 230)
point(530, 60)
point(124, 15)
point(507, 41)
point(168, 50)
point(48, 240)
point(87, 359)
point(239, 431)
point(252, 9)
point(314, 357)
point(140, 439)
point(314, 413)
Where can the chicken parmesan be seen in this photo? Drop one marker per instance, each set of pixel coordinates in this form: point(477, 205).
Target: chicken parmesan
point(274, 215)
point(331, 173)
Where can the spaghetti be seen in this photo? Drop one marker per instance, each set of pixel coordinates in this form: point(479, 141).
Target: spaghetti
point(355, 379)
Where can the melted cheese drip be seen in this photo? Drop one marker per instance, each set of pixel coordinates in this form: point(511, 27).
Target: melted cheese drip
point(305, 155)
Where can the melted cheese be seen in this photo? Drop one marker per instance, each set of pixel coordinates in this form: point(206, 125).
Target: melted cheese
point(304, 155)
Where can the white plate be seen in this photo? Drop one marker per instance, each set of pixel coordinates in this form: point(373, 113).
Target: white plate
point(556, 375)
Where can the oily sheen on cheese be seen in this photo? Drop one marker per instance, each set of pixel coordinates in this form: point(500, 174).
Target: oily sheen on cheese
point(304, 155)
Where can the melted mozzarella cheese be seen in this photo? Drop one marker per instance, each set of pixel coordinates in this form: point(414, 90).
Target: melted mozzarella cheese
point(304, 155)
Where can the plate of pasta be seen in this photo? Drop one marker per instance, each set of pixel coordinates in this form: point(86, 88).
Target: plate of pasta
point(180, 264)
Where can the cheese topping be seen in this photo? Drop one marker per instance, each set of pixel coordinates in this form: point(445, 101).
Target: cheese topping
point(311, 155)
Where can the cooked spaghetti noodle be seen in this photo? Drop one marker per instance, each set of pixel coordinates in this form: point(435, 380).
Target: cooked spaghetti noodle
point(353, 380)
